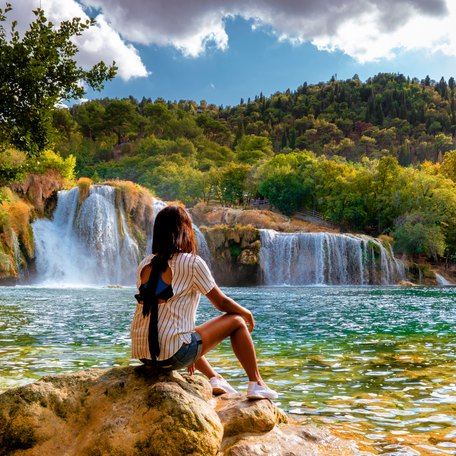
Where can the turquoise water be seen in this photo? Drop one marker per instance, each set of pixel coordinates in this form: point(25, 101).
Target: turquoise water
point(376, 364)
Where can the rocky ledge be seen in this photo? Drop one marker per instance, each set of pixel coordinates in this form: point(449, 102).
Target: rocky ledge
point(134, 411)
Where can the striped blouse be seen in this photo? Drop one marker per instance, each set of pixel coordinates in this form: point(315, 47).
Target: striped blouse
point(176, 317)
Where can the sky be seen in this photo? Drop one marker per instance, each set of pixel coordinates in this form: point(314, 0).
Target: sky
point(221, 51)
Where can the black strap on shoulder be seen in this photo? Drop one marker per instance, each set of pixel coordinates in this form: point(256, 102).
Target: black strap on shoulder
point(150, 306)
point(147, 294)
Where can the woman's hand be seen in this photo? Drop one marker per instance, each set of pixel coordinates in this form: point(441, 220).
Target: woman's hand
point(226, 304)
point(191, 369)
point(248, 318)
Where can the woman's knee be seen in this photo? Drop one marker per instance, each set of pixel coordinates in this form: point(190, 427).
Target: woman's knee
point(237, 321)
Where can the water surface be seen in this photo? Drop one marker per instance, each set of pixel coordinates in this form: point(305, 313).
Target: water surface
point(377, 364)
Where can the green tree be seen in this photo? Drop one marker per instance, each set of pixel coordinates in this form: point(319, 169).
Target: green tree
point(252, 148)
point(284, 191)
point(233, 183)
point(39, 70)
point(89, 116)
point(448, 167)
point(121, 118)
point(416, 235)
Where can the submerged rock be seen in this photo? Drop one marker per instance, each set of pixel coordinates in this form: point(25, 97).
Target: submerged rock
point(134, 411)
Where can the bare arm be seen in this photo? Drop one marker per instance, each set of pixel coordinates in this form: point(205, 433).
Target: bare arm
point(225, 304)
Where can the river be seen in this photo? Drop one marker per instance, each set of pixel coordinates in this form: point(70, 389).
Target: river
point(376, 364)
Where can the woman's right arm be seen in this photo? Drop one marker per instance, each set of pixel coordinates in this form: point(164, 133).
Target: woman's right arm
point(225, 304)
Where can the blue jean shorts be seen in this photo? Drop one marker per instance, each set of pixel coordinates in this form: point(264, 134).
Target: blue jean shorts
point(185, 356)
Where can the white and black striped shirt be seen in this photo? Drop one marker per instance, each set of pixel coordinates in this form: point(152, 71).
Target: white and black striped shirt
point(176, 317)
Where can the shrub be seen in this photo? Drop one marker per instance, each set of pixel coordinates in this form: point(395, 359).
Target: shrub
point(84, 184)
point(49, 160)
point(12, 166)
point(417, 236)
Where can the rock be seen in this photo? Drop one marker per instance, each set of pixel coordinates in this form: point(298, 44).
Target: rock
point(210, 215)
point(406, 283)
point(290, 440)
point(239, 415)
point(133, 411)
point(117, 412)
point(249, 257)
point(260, 428)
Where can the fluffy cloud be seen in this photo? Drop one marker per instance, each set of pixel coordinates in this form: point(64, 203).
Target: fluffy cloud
point(101, 42)
point(364, 29)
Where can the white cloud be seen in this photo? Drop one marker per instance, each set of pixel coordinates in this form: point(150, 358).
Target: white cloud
point(100, 42)
point(364, 29)
point(367, 30)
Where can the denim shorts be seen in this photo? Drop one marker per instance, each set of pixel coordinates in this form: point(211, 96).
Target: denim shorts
point(185, 356)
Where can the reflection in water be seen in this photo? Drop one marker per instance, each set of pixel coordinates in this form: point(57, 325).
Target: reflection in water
point(376, 364)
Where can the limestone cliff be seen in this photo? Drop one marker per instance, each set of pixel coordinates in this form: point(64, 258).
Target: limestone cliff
point(235, 254)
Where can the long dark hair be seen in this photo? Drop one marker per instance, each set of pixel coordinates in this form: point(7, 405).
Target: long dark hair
point(173, 233)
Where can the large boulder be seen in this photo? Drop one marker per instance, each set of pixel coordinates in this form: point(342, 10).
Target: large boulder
point(290, 440)
point(117, 412)
point(134, 411)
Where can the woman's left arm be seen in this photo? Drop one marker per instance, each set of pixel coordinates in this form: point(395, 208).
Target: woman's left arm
point(225, 304)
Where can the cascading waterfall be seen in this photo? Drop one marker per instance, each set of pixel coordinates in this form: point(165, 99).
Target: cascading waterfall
point(90, 243)
point(326, 258)
point(203, 248)
point(86, 245)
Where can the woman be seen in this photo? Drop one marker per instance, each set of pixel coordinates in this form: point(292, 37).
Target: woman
point(170, 282)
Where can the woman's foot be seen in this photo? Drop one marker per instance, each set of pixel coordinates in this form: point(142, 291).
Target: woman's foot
point(221, 386)
point(256, 390)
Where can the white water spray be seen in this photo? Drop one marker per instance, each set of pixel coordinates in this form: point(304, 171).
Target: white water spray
point(326, 258)
point(87, 244)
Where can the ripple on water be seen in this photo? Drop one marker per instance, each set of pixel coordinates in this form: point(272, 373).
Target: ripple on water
point(377, 364)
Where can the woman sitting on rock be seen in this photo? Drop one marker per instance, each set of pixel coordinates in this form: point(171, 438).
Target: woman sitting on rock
point(170, 283)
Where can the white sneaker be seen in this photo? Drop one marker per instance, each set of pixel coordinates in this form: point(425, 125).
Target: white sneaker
point(256, 391)
point(221, 386)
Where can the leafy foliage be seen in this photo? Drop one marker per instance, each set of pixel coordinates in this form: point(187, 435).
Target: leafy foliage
point(376, 157)
point(39, 70)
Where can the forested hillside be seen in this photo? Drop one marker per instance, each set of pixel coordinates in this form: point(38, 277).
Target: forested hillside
point(374, 156)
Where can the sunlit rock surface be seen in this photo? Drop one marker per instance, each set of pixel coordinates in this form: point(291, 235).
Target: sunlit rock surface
point(134, 411)
point(122, 411)
point(260, 428)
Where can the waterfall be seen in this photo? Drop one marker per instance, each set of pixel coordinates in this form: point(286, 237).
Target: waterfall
point(85, 244)
point(203, 248)
point(442, 281)
point(326, 258)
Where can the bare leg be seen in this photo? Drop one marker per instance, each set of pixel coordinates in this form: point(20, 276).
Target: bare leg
point(231, 325)
point(202, 364)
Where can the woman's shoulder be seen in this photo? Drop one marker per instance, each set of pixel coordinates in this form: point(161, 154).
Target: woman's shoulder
point(183, 257)
point(146, 260)
point(189, 259)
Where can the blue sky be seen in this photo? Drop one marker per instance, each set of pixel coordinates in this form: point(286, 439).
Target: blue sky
point(222, 51)
point(256, 62)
